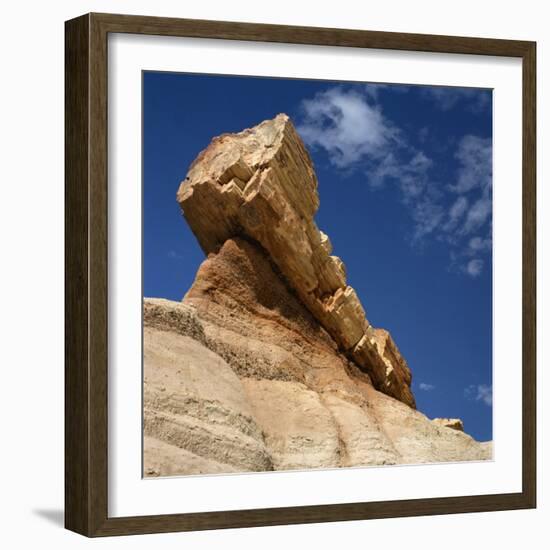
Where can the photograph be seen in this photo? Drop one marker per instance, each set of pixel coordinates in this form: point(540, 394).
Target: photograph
point(282, 284)
point(317, 274)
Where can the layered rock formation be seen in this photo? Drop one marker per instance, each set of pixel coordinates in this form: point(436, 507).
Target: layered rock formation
point(241, 377)
point(260, 184)
point(269, 363)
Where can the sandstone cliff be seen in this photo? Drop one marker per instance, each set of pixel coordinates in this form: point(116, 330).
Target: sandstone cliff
point(269, 363)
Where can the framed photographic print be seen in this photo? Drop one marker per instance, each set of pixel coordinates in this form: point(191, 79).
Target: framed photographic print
point(300, 275)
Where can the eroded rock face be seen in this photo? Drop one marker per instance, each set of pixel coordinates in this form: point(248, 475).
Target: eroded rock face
point(240, 376)
point(260, 184)
point(194, 403)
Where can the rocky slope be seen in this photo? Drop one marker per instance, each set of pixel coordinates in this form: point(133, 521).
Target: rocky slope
point(269, 362)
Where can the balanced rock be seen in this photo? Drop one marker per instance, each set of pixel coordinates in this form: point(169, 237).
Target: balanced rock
point(260, 185)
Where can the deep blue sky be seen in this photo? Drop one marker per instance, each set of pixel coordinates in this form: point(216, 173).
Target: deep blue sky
point(405, 188)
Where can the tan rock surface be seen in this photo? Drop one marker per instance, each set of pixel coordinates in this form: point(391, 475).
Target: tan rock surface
point(260, 184)
point(197, 418)
point(241, 377)
point(299, 430)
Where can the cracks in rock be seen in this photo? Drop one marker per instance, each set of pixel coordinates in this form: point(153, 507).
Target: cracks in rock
point(343, 456)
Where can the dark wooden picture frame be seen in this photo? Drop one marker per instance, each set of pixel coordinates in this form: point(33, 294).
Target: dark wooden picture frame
point(86, 285)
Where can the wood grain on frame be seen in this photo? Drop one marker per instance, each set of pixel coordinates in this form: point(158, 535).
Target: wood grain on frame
point(86, 269)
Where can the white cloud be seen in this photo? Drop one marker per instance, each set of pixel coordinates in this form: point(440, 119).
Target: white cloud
point(456, 213)
point(426, 387)
point(481, 392)
point(427, 215)
point(349, 127)
point(474, 267)
point(411, 174)
point(373, 89)
point(485, 394)
point(446, 98)
point(478, 244)
point(423, 133)
point(476, 168)
point(472, 210)
point(477, 215)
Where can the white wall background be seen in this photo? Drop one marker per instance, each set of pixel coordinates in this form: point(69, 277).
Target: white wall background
point(31, 244)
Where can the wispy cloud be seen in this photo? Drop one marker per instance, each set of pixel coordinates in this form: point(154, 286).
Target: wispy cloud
point(426, 387)
point(352, 128)
point(471, 213)
point(456, 214)
point(480, 392)
point(447, 98)
point(477, 215)
point(475, 156)
point(174, 255)
point(423, 133)
point(373, 89)
point(478, 244)
point(474, 267)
